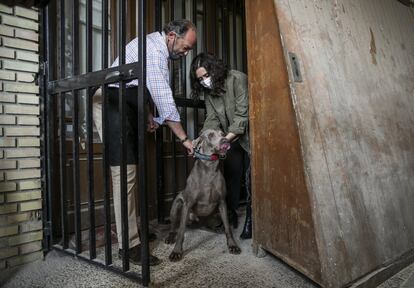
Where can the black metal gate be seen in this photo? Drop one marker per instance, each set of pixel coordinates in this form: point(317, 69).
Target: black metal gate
point(76, 169)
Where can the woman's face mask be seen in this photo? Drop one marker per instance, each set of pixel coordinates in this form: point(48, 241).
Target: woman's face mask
point(207, 83)
point(204, 77)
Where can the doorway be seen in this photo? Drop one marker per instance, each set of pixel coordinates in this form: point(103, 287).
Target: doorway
point(81, 39)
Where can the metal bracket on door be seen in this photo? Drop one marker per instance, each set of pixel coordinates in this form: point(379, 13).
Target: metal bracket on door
point(294, 63)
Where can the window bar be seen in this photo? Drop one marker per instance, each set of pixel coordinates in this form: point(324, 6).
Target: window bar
point(62, 146)
point(75, 144)
point(143, 195)
point(107, 199)
point(89, 134)
point(234, 18)
point(122, 109)
point(159, 136)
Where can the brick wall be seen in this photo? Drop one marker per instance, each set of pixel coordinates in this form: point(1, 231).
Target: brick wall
point(20, 194)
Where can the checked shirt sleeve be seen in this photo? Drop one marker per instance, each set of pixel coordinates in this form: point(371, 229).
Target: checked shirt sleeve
point(159, 87)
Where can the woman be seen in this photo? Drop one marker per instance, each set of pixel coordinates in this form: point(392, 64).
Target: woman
point(227, 105)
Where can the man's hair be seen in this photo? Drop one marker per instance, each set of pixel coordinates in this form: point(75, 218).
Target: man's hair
point(179, 27)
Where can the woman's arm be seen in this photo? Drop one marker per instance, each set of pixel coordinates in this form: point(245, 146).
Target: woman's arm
point(241, 111)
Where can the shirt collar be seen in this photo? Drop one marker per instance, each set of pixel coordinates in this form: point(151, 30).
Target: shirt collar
point(159, 38)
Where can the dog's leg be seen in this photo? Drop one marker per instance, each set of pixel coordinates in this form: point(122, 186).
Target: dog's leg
point(177, 252)
point(233, 248)
point(174, 218)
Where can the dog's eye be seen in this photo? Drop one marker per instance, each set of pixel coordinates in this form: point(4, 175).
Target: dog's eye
point(210, 135)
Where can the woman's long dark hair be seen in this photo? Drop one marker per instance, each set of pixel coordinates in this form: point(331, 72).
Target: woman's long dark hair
point(215, 67)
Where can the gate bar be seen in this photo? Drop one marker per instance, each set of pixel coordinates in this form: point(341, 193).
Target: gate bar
point(141, 142)
point(63, 195)
point(205, 26)
point(99, 263)
point(75, 142)
point(224, 32)
point(214, 28)
point(93, 79)
point(195, 49)
point(49, 124)
point(107, 199)
point(159, 137)
point(122, 109)
point(43, 92)
point(89, 134)
point(234, 18)
point(184, 80)
point(172, 65)
point(243, 18)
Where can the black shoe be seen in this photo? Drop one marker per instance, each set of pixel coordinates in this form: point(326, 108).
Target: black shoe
point(151, 236)
point(247, 229)
point(135, 256)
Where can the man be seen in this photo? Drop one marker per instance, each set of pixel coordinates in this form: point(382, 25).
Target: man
point(175, 41)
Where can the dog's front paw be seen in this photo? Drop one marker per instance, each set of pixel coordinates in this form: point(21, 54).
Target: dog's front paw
point(171, 238)
point(234, 249)
point(176, 256)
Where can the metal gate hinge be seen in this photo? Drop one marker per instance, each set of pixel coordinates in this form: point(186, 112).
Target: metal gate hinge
point(42, 68)
point(47, 227)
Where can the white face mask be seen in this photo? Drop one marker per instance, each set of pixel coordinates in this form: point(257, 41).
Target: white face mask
point(207, 83)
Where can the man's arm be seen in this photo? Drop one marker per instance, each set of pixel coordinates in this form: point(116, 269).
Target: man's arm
point(178, 130)
point(161, 94)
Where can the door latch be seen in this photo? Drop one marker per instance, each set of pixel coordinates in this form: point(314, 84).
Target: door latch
point(294, 63)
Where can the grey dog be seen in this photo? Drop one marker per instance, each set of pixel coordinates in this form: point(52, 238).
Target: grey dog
point(205, 191)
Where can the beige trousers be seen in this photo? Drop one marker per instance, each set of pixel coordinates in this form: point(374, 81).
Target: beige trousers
point(116, 185)
point(132, 215)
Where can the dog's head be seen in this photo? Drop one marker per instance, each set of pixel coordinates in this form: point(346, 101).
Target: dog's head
point(212, 142)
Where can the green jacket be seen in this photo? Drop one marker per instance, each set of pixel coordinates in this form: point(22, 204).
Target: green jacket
point(229, 111)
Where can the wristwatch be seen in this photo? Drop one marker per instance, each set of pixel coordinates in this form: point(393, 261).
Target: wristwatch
point(185, 139)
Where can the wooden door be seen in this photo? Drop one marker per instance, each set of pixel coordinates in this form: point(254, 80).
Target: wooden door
point(282, 218)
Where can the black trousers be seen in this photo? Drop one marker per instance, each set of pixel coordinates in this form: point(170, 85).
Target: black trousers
point(114, 126)
point(236, 169)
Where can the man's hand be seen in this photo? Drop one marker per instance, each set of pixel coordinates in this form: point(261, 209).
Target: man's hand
point(189, 145)
point(151, 124)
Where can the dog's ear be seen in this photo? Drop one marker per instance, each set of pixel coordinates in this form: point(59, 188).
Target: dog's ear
point(197, 142)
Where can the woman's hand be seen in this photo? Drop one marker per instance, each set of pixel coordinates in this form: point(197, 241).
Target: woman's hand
point(231, 137)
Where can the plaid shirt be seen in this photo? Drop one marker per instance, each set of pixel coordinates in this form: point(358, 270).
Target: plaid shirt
point(158, 79)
